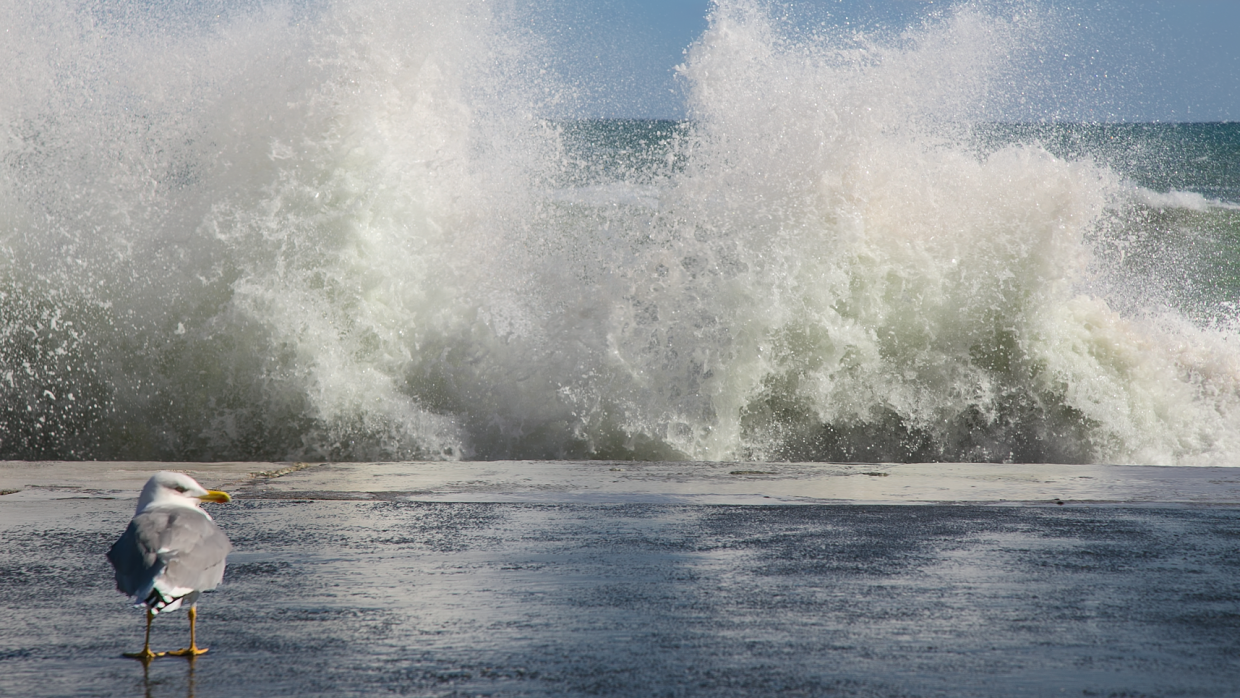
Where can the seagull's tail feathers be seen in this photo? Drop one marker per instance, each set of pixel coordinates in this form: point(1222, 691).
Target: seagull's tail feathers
point(158, 600)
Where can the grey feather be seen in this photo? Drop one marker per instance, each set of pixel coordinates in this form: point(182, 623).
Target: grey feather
point(193, 557)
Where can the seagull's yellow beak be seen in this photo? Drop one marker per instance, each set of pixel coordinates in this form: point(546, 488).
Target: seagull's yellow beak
point(215, 496)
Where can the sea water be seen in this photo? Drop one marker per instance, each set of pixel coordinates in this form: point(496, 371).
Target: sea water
point(373, 229)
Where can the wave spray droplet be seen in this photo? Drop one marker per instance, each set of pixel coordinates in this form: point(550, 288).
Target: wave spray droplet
point(349, 230)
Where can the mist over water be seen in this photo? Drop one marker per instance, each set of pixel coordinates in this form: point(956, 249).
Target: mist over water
point(371, 229)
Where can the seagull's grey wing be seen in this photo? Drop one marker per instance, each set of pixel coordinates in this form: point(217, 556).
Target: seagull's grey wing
point(134, 559)
point(176, 550)
point(194, 549)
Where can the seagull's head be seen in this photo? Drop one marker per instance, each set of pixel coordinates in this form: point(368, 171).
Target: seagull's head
point(177, 489)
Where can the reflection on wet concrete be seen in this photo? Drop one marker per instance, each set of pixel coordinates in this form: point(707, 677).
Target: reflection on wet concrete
point(165, 683)
point(349, 598)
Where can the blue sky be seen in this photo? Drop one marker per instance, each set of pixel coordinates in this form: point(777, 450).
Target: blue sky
point(1163, 60)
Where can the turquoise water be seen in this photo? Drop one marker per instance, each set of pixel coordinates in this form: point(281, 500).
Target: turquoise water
point(361, 234)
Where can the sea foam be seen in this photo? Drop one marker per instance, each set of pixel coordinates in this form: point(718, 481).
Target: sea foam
point(360, 230)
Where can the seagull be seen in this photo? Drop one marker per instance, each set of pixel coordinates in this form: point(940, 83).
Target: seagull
point(170, 554)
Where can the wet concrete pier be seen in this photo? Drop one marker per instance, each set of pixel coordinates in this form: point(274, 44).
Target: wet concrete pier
point(632, 579)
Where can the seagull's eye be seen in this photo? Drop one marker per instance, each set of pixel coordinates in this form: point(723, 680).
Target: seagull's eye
point(181, 488)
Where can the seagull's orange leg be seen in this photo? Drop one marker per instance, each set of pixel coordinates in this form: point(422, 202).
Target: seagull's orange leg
point(146, 654)
point(193, 650)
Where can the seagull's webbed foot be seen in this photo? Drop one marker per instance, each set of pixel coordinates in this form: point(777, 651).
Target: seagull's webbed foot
point(193, 650)
point(146, 655)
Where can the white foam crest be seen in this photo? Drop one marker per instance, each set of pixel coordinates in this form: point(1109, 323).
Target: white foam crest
point(1159, 389)
point(390, 230)
point(317, 200)
point(835, 279)
point(1188, 200)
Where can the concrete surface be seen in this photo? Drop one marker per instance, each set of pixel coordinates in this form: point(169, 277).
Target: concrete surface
point(623, 579)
